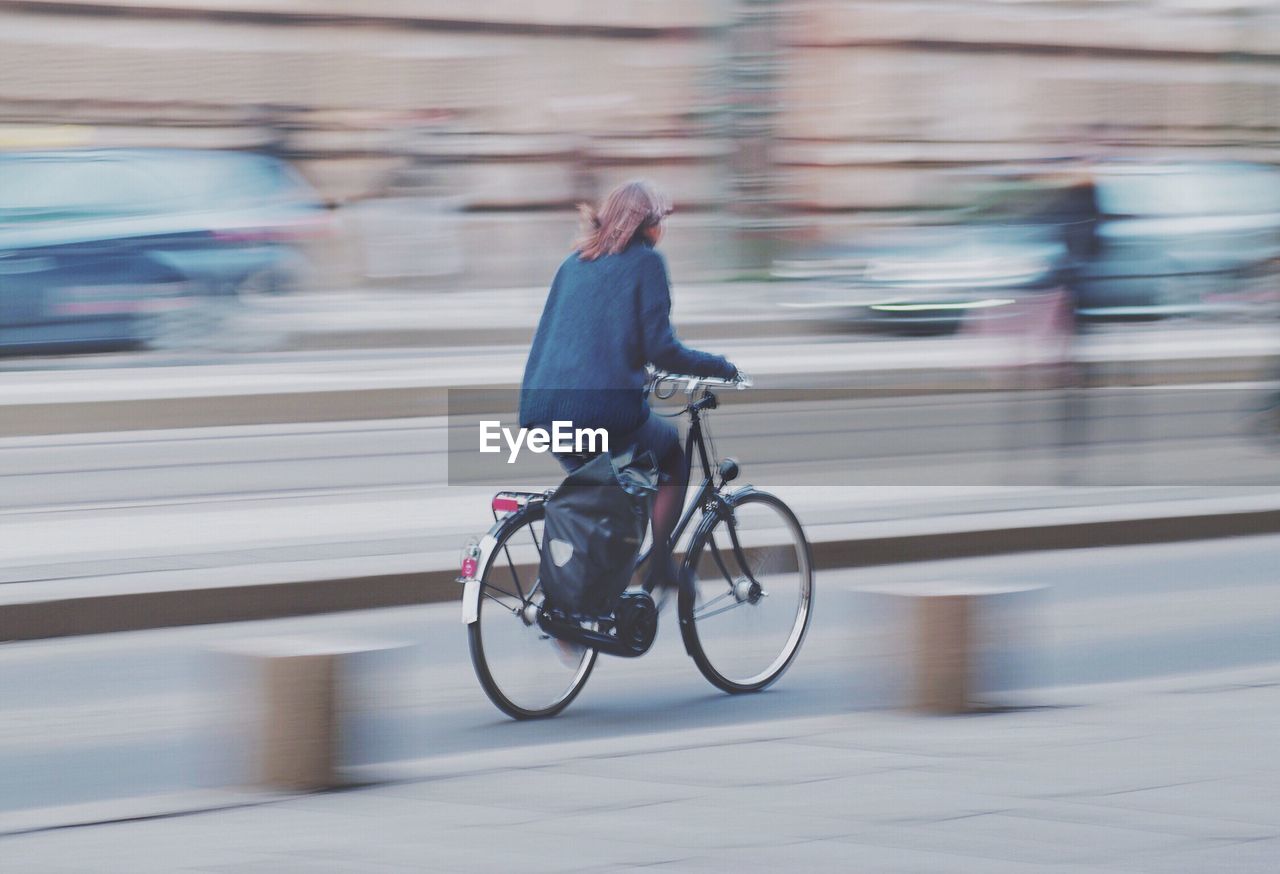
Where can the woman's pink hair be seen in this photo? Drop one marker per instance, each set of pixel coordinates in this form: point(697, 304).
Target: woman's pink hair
point(627, 210)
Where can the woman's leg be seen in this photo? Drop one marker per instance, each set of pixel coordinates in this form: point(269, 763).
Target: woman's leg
point(659, 436)
point(667, 504)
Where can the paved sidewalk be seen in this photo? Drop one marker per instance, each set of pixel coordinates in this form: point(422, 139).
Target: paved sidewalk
point(1162, 776)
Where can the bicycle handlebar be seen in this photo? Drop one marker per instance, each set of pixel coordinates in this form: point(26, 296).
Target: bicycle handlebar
point(693, 383)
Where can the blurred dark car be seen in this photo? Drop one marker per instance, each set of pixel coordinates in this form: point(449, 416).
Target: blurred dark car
point(1128, 240)
point(108, 248)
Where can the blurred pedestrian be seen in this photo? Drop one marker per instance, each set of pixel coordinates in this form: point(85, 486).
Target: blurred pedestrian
point(1074, 209)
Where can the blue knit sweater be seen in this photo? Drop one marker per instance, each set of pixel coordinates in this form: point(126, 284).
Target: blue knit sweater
point(603, 321)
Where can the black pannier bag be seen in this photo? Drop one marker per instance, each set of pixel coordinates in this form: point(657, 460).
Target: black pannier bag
point(595, 522)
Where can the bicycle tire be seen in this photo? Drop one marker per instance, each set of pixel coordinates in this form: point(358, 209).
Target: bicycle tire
point(512, 556)
point(700, 563)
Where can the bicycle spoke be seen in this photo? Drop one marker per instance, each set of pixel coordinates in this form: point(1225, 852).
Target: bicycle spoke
point(512, 565)
point(503, 604)
point(503, 591)
point(514, 576)
point(717, 599)
point(770, 560)
point(537, 581)
point(698, 617)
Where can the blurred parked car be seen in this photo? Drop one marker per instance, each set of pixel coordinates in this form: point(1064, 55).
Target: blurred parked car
point(117, 247)
point(1178, 239)
point(1127, 240)
point(927, 280)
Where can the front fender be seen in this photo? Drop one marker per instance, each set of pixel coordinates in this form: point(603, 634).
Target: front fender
point(722, 507)
point(724, 504)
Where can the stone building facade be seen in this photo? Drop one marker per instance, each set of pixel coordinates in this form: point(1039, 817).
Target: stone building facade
point(477, 125)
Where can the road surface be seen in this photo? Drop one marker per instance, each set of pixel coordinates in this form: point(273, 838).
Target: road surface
point(149, 712)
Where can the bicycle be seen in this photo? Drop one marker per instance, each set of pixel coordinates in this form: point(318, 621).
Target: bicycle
point(748, 566)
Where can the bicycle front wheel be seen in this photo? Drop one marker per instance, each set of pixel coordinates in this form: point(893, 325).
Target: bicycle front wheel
point(527, 674)
point(748, 593)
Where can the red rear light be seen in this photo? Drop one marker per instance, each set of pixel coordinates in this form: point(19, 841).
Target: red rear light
point(502, 504)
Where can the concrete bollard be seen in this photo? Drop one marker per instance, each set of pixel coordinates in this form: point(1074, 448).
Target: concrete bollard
point(301, 697)
point(943, 653)
point(958, 641)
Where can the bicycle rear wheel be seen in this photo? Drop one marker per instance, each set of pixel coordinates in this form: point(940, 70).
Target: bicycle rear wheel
point(748, 597)
point(527, 674)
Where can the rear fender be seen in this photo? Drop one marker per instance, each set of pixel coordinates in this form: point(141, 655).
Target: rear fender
point(488, 547)
point(471, 585)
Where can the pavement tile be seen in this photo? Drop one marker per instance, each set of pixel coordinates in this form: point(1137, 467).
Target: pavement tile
point(540, 793)
point(1065, 777)
point(1234, 801)
point(1173, 755)
point(987, 736)
point(305, 840)
point(1189, 823)
point(1234, 857)
point(523, 848)
point(692, 864)
point(847, 856)
point(726, 819)
point(383, 805)
point(131, 847)
point(897, 796)
point(980, 848)
point(740, 764)
point(1101, 840)
point(308, 865)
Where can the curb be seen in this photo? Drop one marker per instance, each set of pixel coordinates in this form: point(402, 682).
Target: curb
point(420, 401)
point(136, 611)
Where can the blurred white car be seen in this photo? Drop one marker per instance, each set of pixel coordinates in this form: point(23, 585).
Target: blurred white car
point(1138, 240)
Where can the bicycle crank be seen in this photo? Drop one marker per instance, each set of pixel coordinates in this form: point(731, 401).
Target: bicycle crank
point(628, 633)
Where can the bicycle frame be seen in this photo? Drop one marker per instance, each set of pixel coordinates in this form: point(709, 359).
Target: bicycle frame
point(706, 491)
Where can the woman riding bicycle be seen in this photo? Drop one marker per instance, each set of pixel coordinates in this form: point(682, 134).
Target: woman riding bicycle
point(607, 316)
